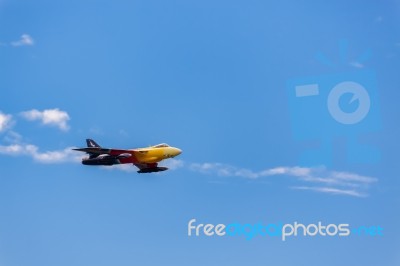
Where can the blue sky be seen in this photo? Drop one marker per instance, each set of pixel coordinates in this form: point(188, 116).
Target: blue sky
point(214, 78)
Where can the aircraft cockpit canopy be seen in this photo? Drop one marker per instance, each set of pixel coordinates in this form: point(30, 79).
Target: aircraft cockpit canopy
point(162, 145)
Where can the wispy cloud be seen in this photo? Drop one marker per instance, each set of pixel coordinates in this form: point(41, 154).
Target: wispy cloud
point(356, 64)
point(331, 190)
point(17, 147)
point(322, 179)
point(318, 179)
point(223, 170)
point(122, 167)
point(25, 40)
point(56, 156)
point(52, 117)
point(5, 121)
point(173, 164)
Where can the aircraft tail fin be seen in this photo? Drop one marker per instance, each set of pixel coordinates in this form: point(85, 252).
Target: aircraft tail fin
point(92, 144)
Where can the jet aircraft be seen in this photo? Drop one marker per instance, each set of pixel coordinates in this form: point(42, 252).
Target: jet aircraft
point(146, 159)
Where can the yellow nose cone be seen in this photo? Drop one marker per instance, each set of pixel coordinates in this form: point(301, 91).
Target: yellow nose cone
point(172, 152)
point(176, 152)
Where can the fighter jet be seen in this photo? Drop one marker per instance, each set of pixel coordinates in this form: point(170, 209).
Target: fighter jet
point(146, 159)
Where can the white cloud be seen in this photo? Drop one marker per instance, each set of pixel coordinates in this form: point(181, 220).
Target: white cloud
point(53, 117)
point(356, 64)
point(14, 149)
point(173, 164)
point(57, 156)
point(5, 121)
point(16, 146)
point(331, 190)
point(130, 168)
point(25, 40)
point(327, 181)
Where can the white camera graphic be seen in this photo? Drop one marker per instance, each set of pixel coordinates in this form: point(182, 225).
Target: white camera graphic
point(333, 102)
point(317, 112)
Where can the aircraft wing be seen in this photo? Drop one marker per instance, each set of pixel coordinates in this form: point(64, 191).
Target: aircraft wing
point(149, 167)
point(98, 151)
